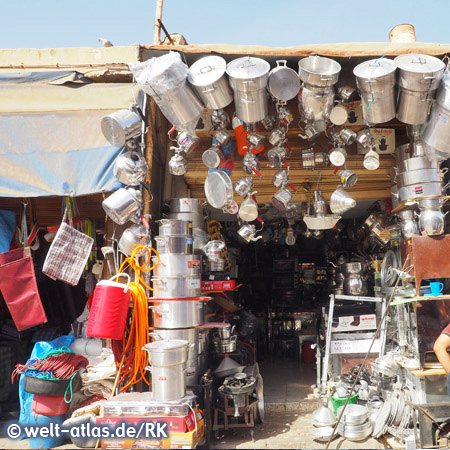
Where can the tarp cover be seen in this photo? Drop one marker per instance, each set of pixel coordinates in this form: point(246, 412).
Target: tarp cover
point(51, 142)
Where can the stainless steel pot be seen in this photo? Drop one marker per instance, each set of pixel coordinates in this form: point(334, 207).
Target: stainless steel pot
point(255, 139)
point(353, 414)
point(277, 155)
point(123, 205)
point(419, 190)
point(251, 107)
point(207, 75)
point(355, 285)
point(282, 199)
point(413, 106)
point(132, 237)
point(429, 203)
point(376, 81)
point(353, 268)
point(284, 82)
point(186, 205)
point(408, 225)
point(318, 71)
point(183, 313)
point(220, 119)
point(280, 179)
point(277, 137)
point(212, 157)
point(213, 250)
point(215, 266)
point(176, 287)
point(188, 141)
point(416, 163)
point(226, 345)
point(201, 238)
point(348, 178)
point(348, 136)
point(130, 168)
point(203, 340)
point(173, 227)
point(121, 126)
point(175, 244)
point(197, 219)
point(218, 189)
point(431, 222)
point(243, 186)
point(222, 137)
point(251, 164)
point(316, 103)
point(173, 265)
point(419, 176)
point(185, 334)
point(166, 353)
point(403, 152)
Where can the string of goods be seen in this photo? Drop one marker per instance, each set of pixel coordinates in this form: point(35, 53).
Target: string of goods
point(129, 353)
point(60, 363)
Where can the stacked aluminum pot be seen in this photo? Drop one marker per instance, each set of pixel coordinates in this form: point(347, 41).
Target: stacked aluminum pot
point(191, 209)
point(177, 308)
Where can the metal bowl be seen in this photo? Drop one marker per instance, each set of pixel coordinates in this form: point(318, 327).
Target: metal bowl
point(353, 414)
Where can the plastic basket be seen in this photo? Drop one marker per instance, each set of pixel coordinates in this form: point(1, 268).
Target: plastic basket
point(340, 401)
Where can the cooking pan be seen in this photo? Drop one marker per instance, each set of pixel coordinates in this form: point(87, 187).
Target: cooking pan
point(218, 189)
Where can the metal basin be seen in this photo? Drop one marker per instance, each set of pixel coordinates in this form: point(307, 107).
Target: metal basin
point(353, 414)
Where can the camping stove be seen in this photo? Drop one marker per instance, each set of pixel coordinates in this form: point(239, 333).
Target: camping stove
point(237, 388)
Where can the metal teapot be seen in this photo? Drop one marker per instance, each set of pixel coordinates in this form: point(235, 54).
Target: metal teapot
point(248, 232)
point(177, 164)
point(132, 237)
point(130, 168)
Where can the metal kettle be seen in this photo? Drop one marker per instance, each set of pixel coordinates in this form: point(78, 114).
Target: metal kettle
point(130, 168)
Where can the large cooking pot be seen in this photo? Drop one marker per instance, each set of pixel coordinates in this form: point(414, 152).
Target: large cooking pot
point(201, 238)
point(420, 190)
point(318, 71)
point(376, 81)
point(167, 359)
point(284, 82)
point(174, 227)
point(123, 205)
point(121, 126)
point(248, 79)
point(416, 163)
point(316, 103)
point(177, 312)
point(176, 287)
point(185, 205)
point(175, 265)
point(437, 129)
point(185, 334)
point(419, 176)
point(175, 244)
point(207, 75)
point(197, 219)
point(418, 79)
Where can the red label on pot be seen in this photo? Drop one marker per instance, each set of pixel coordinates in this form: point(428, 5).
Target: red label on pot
point(418, 189)
point(193, 264)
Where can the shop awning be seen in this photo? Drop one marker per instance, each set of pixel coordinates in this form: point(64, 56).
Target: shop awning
point(51, 142)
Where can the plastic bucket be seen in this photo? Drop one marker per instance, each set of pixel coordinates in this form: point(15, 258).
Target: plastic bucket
point(38, 420)
point(109, 309)
point(340, 401)
point(49, 405)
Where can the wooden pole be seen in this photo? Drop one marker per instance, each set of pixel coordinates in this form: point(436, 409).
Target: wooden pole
point(158, 18)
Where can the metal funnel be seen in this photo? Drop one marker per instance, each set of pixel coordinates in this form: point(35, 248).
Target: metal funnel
point(340, 201)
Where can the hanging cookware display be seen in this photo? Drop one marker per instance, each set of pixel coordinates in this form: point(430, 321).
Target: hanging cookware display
point(133, 237)
point(222, 137)
point(248, 210)
point(277, 155)
point(255, 139)
point(376, 83)
point(207, 76)
point(341, 201)
point(277, 137)
point(248, 232)
point(212, 157)
point(418, 78)
point(311, 159)
point(282, 199)
point(218, 189)
point(123, 205)
point(281, 178)
point(371, 160)
point(337, 155)
point(251, 164)
point(248, 79)
point(130, 168)
point(320, 220)
point(348, 136)
point(348, 178)
point(284, 82)
point(436, 131)
point(177, 164)
point(121, 126)
point(187, 140)
point(243, 186)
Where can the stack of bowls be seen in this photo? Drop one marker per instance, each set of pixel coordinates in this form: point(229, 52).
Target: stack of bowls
point(177, 308)
point(191, 209)
point(355, 424)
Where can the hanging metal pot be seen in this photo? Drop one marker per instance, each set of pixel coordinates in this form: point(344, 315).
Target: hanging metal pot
point(174, 227)
point(277, 155)
point(243, 186)
point(432, 222)
point(282, 199)
point(212, 157)
point(186, 205)
point(130, 168)
point(178, 165)
point(348, 136)
point(348, 178)
point(123, 205)
point(251, 164)
point(133, 237)
point(277, 137)
point(255, 139)
point(175, 244)
point(284, 82)
point(222, 137)
point(218, 189)
point(319, 71)
point(280, 179)
point(249, 208)
point(248, 232)
point(338, 156)
point(121, 126)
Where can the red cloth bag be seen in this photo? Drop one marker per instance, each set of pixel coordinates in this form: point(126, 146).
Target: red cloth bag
point(19, 288)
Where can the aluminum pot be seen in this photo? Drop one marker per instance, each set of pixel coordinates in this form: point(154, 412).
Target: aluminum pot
point(185, 205)
point(353, 414)
point(164, 353)
point(197, 219)
point(415, 163)
point(431, 222)
point(430, 203)
point(174, 244)
point(176, 287)
point(213, 250)
point(207, 75)
point(255, 139)
point(409, 227)
point(348, 178)
point(227, 345)
point(348, 136)
point(177, 313)
point(121, 126)
point(277, 137)
point(353, 268)
point(355, 285)
point(376, 82)
point(217, 265)
point(277, 155)
point(123, 205)
point(172, 227)
point(222, 137)
point(282, 199)
point(413, 106)
point(174, 265)
point(212, 157)
point(316, 103)
point(243, 186)
point(186, 334)
point(403, 152)
point(132, 237)
point(130, 168)
point(280, 179)
point(419, 190)
point(284, 82)
point(318, 71)
point(419, 176)
point(251, 164)
point(251, 107)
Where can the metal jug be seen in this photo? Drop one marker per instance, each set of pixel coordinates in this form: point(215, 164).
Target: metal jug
point(130, 168)
point(248, 232)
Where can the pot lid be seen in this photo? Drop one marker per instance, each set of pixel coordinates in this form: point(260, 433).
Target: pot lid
point(207, 70)
point(375, 68)
point(284, 83)
point(218, 189)
point(166, 344)
point(247, 68)
point(419, 63)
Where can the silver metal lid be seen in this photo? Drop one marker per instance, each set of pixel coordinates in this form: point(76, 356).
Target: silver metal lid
point(207, 70)
point(166, 344)
point(247, 68)
point(218, 188)
point(284, 82)
point(419, 63)
point(375, 68)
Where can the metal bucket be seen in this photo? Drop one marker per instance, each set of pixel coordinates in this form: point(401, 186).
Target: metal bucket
point(175, 244)
point(197, 219)
point(318, 71)
point(176, 287)
point(251, 107)
point(123, 205)
point(121, 126)
point(175, 227)
point(185, 205)
point(175, 265)
point(177, 313)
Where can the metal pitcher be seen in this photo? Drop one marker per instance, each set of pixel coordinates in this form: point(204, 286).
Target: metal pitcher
point(248, 232)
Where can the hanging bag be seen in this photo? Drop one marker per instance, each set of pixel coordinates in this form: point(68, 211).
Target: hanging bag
point(18, 285)
point(67, 256)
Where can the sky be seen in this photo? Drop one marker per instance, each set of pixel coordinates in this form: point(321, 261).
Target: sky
point(60, 23)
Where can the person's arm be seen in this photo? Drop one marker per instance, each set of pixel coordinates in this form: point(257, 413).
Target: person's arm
point(440, 347)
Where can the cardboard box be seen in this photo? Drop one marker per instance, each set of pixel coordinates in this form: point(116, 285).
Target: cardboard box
point(384, 141)
point(176, 440)
point(350, 346)
point(355, 115)
point(355, 323)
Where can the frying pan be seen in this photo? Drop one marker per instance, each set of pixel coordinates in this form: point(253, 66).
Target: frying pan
point(218, 189)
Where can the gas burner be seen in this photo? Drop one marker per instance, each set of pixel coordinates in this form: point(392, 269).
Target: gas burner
point(238, 384)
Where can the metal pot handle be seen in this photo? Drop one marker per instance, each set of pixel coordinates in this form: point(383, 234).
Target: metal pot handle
point(149, 368)
point(155, 336)
point(281, 63)
point(444, 170)
point(122, 274)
